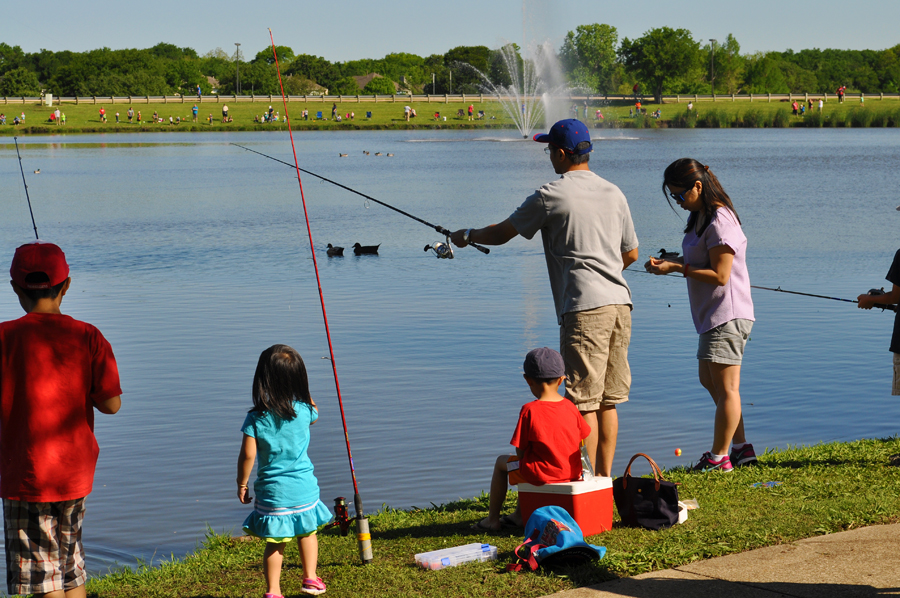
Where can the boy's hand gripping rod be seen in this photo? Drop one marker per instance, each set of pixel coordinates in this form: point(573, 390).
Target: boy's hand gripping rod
point(439, 229)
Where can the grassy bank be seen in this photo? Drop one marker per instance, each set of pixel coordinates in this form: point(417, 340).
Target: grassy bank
point(824, 489)
point(84, 118)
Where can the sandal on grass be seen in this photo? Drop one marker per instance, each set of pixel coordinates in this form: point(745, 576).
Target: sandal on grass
point(313, 586)
point(481, 526)
point(508, 521)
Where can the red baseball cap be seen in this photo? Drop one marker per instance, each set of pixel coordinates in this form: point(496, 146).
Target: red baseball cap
point(36, 257)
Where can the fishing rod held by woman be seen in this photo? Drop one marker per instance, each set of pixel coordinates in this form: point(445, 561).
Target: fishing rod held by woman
point(713, 261)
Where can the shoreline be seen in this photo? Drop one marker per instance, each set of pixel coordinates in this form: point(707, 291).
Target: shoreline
point(85, 119)
point(823, 489)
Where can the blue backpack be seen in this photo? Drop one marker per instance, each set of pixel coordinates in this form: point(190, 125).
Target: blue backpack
point(552, 539)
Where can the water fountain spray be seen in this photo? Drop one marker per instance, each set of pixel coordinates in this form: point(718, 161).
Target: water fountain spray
point(535, 83)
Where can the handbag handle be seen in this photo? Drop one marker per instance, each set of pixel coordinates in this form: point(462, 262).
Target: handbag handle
point(657, 473)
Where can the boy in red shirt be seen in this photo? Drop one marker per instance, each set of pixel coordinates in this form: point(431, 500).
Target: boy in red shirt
point(54, 371)
point(547, 438)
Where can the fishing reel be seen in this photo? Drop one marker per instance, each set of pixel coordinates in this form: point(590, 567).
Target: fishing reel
point(443, 251)
point(341, 516)
point(876, 293)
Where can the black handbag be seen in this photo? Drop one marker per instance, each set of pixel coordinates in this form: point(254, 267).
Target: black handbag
point(645, 502)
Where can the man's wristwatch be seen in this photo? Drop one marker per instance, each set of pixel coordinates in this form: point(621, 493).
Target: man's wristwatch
point(467, 234)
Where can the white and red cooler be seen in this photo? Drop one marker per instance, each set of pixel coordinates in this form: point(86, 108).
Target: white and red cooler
point(589, 502)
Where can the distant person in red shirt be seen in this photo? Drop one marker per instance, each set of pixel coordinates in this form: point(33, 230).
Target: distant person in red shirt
point(547, 438)
point(54, 371)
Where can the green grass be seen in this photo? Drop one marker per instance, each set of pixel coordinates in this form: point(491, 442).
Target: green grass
point(84, 118)
point(826, 488)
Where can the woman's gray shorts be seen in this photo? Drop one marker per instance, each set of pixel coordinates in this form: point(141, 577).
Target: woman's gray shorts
point(725, 343)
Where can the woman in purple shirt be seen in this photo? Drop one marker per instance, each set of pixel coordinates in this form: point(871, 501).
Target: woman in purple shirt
point(714, 263)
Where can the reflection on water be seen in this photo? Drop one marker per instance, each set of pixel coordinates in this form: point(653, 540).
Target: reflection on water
point(191, 256)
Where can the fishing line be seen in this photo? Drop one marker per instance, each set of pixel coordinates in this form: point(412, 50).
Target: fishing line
point(16, 139)
point(436, 227)
point(882, 306)
point(362, 523)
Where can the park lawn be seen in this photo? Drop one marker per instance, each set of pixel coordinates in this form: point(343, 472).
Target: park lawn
point(824, 489)
point(385, 115)
point(84, 118)
point(724, 113)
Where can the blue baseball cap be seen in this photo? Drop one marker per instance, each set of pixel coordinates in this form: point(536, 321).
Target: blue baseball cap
point(544, 363)
point(566, 134)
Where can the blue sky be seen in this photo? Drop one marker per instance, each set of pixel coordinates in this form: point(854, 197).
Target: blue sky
point(350, 29)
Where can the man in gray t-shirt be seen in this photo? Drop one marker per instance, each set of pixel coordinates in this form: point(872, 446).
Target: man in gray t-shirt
point(588, 238)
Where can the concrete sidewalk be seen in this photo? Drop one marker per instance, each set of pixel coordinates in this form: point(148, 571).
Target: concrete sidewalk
point(861, 562)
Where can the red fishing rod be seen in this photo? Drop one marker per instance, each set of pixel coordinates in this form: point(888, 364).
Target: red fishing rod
point(364, 539)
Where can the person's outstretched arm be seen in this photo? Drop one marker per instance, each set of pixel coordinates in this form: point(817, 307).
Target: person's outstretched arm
point(494, 234)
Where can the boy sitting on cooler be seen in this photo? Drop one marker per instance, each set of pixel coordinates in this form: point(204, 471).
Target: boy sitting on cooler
point(547, 438)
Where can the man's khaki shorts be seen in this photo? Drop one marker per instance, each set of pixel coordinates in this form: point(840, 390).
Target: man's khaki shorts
point(594, 346)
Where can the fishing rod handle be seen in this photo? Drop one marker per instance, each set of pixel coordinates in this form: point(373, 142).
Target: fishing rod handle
point(480, 248)
point(447, 234)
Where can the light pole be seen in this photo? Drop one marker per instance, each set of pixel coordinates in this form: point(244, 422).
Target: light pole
point(451, 81)
point(712, 67)
point(432, 84)
point(237, 64)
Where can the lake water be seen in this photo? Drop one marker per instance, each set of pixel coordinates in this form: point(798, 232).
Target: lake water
point(191, 256)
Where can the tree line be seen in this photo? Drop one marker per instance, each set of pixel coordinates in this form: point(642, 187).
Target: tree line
point(592, 59)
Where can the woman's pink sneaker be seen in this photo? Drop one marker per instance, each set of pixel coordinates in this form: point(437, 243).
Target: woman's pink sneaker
point(707, 463)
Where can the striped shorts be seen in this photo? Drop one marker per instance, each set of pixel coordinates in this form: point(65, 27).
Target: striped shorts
point(43, 546)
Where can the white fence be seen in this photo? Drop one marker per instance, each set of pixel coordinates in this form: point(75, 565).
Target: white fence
point(440, 99)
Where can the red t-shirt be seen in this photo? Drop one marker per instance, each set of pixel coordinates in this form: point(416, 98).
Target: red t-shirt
point(550, 435)
point(52, 369)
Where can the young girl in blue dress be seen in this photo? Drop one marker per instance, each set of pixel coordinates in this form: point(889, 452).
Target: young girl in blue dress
point(287, 493)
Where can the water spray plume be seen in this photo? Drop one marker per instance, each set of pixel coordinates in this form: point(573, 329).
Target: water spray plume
point(532, 88)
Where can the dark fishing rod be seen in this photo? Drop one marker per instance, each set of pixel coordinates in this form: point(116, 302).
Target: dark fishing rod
point(16, 139)
point(875, 292)
point(436, 227)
